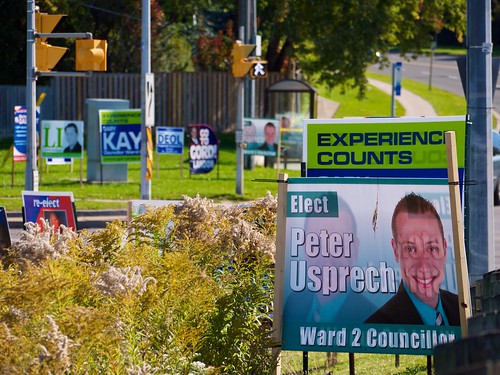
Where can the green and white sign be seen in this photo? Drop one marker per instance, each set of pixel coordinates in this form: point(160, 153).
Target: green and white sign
point(381, 147)
point(62, 139)
point(363, 276)
point(120, 136)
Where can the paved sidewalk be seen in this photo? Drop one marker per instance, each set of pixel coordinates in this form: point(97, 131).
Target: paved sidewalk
point(413, 104)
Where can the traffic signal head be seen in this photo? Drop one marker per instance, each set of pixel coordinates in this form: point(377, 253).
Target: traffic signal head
point(240, 54)
point(47, 56)
point(91, 55)
point(45, 23)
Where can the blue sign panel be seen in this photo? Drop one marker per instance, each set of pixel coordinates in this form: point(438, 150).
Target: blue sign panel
point(203, 149)
point(169, 140)
point(20, 129)
point(397, 77)
point(120, 136)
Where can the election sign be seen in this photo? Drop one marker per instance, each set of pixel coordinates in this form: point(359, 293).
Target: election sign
point(203, 149)
point(381, 147)
point(5, 241)
point(20, 129)
point(62, 139)
point(169, 140)
point(261, 137)
point(368, 275)
point(54, 207)
point(59, 161)
point(291, 133)
point(120, 136)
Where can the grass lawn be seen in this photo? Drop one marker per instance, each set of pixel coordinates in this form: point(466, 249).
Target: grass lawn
point(363, 364)
point(220, 184)
point(444, 102)
point(167, 183)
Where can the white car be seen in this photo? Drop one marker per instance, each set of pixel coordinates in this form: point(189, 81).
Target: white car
point(496, 167)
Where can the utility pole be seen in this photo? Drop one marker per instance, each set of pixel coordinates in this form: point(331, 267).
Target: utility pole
point(479, 175)
point(147, 103)
point(41, 58)
point(31, 174)
point(240, 108)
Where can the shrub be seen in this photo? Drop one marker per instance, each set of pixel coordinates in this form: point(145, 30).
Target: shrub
point(183, 289)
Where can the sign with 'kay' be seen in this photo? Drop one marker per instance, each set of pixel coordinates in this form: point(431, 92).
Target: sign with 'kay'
point(120, 136)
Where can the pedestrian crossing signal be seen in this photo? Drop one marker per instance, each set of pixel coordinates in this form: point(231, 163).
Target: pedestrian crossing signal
point(259, 69)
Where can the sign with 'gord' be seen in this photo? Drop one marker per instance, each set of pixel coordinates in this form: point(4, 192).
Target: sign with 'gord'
point(203, 149)
point(381, 147)
point(120, 136)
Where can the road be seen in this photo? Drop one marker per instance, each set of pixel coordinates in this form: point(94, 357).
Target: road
point(444, 73)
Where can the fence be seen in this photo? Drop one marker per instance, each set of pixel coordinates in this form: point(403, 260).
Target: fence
point(181, 98)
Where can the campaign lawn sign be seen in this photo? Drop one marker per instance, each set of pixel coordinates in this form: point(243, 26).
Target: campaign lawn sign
point(59, 161)
point(203, 149)
point(62, 139)
point(169, 140)
point(381, 147)
point(340, 268)
point(20, 130)
point(5, 240)
point(137, 207)
point(55, 207)
point(120, 136)
point(261, 137)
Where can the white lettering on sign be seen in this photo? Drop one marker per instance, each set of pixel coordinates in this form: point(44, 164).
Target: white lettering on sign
point(169, 139)
point(46, 203)
point(299, 204)
point(125, 140)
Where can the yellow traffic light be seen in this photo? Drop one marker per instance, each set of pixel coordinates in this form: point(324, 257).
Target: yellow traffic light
point(91, 54)
point(45, 23)
point(47, 56)
point(240, 54)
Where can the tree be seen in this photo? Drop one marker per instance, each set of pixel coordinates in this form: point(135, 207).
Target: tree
point(329, 41)
point(335, 41)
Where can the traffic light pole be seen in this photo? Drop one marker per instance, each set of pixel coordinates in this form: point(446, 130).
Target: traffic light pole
point(479, 228)
point(31, 174)
point(240, 113)
point(240, 107)
point(146, 107)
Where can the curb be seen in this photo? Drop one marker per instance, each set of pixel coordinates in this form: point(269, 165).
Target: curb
point(86, 219)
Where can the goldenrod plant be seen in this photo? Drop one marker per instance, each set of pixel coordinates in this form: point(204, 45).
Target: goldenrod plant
point(182, 289)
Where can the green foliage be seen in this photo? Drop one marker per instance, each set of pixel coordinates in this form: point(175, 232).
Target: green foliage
point(336, 41)
point(179, 290)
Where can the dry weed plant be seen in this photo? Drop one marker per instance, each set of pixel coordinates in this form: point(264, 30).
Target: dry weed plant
point(183, 289)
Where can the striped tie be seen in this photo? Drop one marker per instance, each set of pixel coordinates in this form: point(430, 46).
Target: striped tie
point(439, 319)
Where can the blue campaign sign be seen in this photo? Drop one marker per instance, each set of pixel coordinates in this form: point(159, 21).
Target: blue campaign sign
point(120, 136)
point(20, 129)
point(169, 140)
point(203, 149)
point(121, 144)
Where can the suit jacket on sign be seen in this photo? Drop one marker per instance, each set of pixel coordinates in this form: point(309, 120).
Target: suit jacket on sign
point(401, 310)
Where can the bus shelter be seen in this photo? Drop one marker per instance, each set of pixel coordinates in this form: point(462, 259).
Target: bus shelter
point(290, 101)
